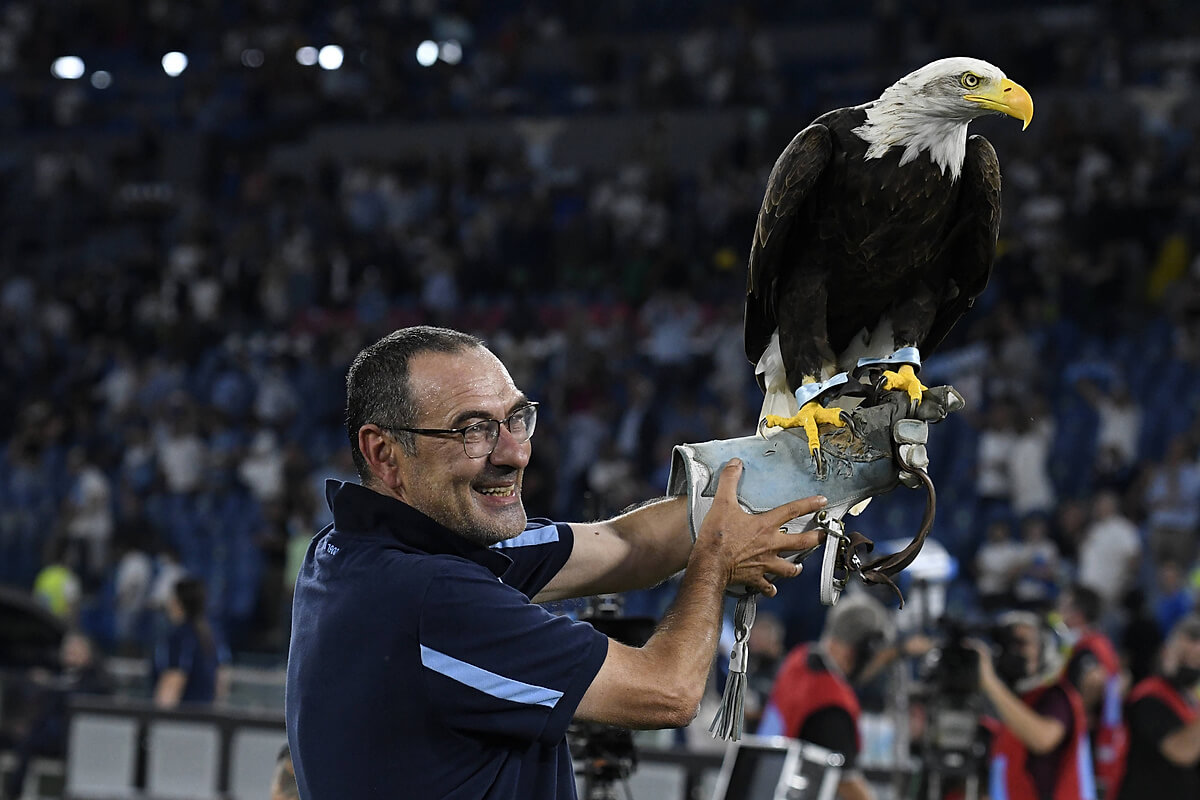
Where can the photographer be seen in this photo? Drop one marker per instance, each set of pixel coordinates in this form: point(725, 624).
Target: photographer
point(1039, 748)
point(1094, 669)
point(813, 700)
point(1162, 720)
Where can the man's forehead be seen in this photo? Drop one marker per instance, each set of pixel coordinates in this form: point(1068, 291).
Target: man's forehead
point(442, 382)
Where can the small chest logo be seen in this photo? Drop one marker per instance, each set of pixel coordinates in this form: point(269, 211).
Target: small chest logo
point(331, 548)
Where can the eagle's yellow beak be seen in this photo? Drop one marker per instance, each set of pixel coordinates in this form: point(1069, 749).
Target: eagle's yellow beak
point(1007, 97)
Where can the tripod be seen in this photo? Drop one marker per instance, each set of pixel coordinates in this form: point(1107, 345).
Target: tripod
point(934, 786)
point(959, 765)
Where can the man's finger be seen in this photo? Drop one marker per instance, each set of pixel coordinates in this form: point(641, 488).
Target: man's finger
point(727, 483)
point(784, 568)
point(799, 541)
point(796, 508)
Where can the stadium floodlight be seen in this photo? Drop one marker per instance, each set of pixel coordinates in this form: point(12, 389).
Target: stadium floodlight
point(427, 53)
point(68, 68)
point(101, 79)
point(451, 51)
point(253, 58)
point(174, 63)
point(306, 56)
point(330, 57)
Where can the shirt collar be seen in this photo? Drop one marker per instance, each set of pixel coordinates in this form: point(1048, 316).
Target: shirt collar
point(358, 509)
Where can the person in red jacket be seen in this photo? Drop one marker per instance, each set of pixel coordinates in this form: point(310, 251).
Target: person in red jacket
point(812, 698)
point(1162, 718)
point(1094, 669)
point(1039, 749)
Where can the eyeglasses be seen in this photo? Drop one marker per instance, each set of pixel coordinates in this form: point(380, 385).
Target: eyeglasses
point(479, 438)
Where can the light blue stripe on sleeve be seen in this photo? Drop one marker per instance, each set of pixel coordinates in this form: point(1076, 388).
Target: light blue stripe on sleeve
point(488, 682)
point(543, 535)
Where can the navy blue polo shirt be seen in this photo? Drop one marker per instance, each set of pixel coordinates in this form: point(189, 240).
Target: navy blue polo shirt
point(419, 668)
point(183, 650)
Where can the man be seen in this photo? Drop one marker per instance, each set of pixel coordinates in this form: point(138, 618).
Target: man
point(1094, 669)
point(81, 672)
point(813, 700)
point(419, 667)
point(1039, 749)
point(1110, 550)
point(1162, 719)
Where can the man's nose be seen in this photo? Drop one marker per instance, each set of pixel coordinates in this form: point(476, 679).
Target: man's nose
point(509, 452)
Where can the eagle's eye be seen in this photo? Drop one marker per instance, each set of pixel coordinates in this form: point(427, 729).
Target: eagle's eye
point(969, 80)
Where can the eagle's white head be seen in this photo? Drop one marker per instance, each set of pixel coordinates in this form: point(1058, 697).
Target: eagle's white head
point(929, 110)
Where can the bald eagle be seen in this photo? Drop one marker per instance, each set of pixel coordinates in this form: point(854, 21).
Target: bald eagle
point(877, 232)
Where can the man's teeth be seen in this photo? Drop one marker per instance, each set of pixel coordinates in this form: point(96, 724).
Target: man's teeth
point(499, 491)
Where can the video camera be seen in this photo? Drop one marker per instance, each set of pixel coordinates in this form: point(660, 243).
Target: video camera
point(605, 754)
point(951, 744)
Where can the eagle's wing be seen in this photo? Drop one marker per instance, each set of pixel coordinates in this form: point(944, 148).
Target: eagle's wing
point(971, 246)
point(795, 173)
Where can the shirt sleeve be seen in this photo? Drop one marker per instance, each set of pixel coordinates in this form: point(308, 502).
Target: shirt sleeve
point(1044, 768)
point(177, 652)
point(538, 553)
point(834, 728)
point(500, 665)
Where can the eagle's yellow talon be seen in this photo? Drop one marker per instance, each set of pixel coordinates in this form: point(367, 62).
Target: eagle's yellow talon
point(905, 379)
point(809, 417)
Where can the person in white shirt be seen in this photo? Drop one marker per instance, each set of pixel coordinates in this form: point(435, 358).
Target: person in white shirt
point(1108, 555)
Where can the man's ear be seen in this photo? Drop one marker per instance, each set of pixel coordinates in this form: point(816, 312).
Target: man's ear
point(382, 453)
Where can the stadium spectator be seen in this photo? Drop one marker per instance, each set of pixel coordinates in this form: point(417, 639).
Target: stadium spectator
point(1029, 459)
point(1172, 499)
point(88, 515)
point(993, 462)
point(1038, 571)
point(57, 586)
point(1120, 427)
point(80, 671)
point(1173, 597)
point(187, 663)
point(1108, 554)
point(996, 565)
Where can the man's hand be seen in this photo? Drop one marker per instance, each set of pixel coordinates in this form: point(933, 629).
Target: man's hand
point(749, 544)
point(987, 670)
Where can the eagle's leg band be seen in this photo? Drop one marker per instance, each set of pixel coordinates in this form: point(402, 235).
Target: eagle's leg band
point(809, 392)
point(905, 355)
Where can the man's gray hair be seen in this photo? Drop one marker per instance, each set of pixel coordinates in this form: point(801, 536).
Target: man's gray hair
point(377, 387)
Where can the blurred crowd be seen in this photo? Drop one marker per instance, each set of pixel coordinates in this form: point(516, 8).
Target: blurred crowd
point(178, 307)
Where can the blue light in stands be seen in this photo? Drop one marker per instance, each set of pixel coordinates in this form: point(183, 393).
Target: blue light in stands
point(306, 56)
point(101, 79)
